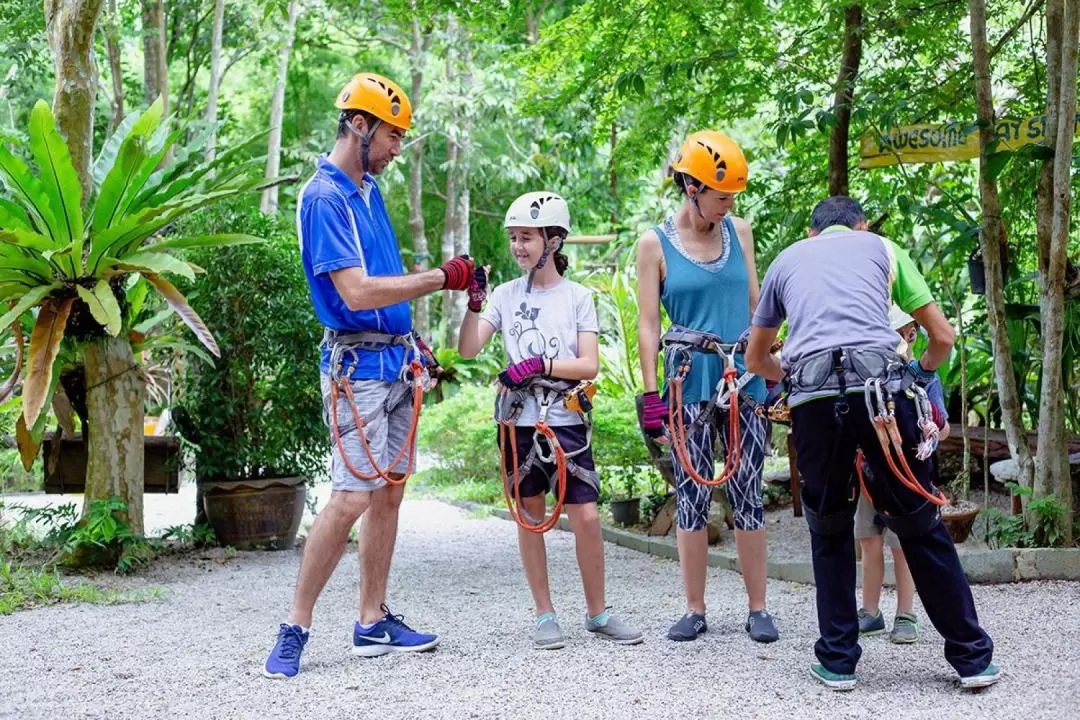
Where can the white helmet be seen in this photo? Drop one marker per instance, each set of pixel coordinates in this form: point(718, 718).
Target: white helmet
point(898, 318)
point(540, 210)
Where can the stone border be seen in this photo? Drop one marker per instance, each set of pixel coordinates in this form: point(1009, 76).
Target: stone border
point(980, 566)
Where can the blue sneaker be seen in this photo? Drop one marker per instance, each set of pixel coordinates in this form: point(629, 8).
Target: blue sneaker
point(390, 634)
point(284, 660)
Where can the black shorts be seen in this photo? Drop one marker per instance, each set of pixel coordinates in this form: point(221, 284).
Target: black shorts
point(541, 476)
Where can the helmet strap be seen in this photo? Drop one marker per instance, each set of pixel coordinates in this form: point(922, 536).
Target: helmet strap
point(539, 263)
point(697, 208)
point(365, 140)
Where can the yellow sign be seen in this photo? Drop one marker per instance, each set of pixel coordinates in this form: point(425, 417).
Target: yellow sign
point(951, 141)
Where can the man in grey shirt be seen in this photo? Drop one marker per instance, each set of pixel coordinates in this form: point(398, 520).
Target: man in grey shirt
point(835, 289)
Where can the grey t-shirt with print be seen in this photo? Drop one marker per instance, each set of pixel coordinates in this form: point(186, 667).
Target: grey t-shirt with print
point(544, 323)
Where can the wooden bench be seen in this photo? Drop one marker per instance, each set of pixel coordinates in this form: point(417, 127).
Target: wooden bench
point(161, 472)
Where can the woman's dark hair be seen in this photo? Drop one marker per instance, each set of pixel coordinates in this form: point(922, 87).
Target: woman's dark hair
point(345, 118)
point(561, 261)
point(683, 181)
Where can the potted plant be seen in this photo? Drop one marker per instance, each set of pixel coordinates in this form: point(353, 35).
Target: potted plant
point(625, 495)
point(255, 416)
point(959, 513)
point(70, 248)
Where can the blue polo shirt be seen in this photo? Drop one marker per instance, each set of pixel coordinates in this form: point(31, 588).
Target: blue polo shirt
point(339, 226)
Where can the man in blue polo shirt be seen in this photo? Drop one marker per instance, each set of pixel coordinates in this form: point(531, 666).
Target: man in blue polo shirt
point(361, 294)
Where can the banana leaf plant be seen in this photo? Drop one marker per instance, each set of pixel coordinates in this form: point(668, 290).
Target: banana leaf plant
point(70, 258)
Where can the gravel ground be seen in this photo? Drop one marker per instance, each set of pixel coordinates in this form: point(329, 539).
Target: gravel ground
point(197, 652)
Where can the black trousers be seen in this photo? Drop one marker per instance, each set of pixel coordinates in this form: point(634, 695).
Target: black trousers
point(826, 443)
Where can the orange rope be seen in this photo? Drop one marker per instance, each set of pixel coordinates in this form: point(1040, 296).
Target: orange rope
point(890, 440)
point(859, 460)
point(513, 503)
point(678, 433)
point(410, 440)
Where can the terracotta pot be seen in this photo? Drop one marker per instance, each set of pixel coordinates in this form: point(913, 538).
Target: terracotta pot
point(255, 514)
point(959, 523)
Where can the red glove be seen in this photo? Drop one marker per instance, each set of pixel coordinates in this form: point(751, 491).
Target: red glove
point(939, 416)
point(458, 272)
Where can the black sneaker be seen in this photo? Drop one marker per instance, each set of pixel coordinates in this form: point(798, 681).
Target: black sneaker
point(689, 627)
point(761, 627)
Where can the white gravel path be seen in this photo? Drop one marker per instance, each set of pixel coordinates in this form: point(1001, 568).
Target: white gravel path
point(197, 652)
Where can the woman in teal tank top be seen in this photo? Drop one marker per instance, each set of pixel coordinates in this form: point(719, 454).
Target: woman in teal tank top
point(699, 264)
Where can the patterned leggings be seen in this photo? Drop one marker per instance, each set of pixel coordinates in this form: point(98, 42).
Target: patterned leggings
point(743, 491)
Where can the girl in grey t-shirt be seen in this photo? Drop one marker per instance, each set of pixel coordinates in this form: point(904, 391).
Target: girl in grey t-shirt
point(549, 329)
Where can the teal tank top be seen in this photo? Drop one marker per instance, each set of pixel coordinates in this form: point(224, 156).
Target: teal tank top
point(712, 297)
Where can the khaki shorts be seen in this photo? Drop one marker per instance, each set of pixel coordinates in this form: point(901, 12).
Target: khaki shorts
point(868, 526)
point(386, 432)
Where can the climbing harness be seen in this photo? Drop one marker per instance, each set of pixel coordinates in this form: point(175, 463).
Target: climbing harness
point(775, 408)
point(881, 374)
point(419, 368)
point(679, 345)
point(576, 397)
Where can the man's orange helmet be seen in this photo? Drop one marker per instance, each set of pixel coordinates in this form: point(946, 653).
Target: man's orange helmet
point(714, 159)
point(379, 96)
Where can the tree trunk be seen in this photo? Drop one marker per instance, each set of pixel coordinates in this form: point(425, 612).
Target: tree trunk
point(115, 392)
point(70, 25)
point(421, 256)
point(1052, 459)
point(215, 77)
point(155, 67)
point(991, 249)
point(1055, 11)
point(277, 112)
point(116, 70)
point(461, 215)
point(533, 15)
point(613, 180)
point(453, 151)
point(845, 93)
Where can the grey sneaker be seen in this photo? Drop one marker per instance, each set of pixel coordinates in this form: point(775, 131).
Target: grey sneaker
point(688, 627)
point(548, 634)
point(615, 629)
point(871, 624)
point(761, 627)
point(985, 679)
point(905, 629)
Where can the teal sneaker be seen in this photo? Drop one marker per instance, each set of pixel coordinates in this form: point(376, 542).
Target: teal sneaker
point(985, 679)
point(871, 624)
point(905, 629)
point(831, 680)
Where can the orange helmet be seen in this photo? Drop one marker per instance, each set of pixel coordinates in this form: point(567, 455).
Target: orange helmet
point(713, 158)
point(379, 96)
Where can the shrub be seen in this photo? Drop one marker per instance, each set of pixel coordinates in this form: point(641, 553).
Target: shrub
point(257, 411)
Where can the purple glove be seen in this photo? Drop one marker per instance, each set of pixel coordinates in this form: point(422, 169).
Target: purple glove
point(478, 290)
point(516, 375)
point(654, 414)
